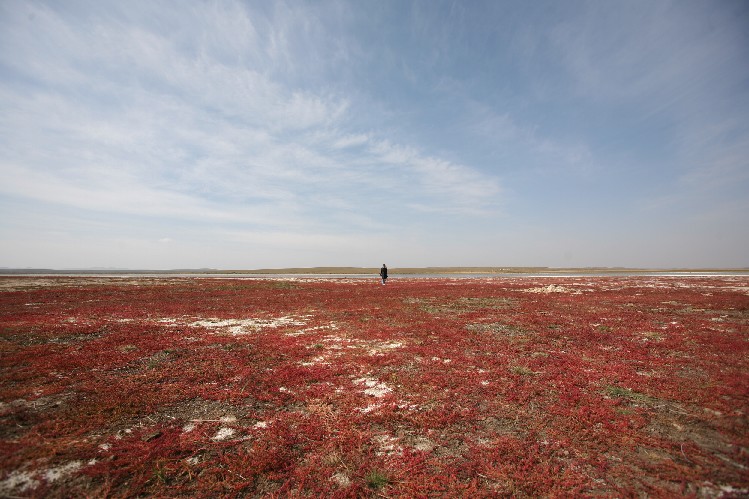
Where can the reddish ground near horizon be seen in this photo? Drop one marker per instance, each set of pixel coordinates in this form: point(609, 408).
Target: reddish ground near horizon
point(524, 387)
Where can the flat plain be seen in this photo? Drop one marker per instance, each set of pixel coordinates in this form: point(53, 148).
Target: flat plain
point(614, 386)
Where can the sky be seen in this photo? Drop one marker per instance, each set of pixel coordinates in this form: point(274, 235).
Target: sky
point(271, 134)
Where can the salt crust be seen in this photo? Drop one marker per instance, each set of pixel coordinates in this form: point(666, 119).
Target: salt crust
point(223, 434)
point(374, 387)
point(552, 288)
point(341, 479)
point(331, 325)
point(25, 480)
point(387, 444)
point(320, 360)
point(237, 327)
point(245, 326)
point(334, 344)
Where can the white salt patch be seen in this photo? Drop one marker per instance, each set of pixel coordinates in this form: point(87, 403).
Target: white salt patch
point(389, 345)
point(223, 434)
point(551, 288)
point(424, 444)
point(369, 408)
point(126, 431)
point(298, 333)
point(338, 343)
point(238, 327)
point(341, 479)
point(387, 444)
point(374, 387)
point(54, 474)
point(408, 407)
point(188, 427)
point(331, 325)
point(379, 347)
point(228, 419)
point(260, 425)
point(730, 489)
point(22, 480)
point(316, 361)
point(366, 381)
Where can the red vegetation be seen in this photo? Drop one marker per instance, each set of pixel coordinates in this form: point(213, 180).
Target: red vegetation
point(620, 387)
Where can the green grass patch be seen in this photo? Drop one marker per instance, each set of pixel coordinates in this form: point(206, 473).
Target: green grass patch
point(376, 479)
point(497, 328)
point(627, 393)
point(522, 371)
point(461, 305)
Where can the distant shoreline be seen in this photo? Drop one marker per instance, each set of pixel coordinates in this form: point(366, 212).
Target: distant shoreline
point(344, 271)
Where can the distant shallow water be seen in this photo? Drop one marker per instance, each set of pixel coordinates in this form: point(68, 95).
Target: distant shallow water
point(394, 276)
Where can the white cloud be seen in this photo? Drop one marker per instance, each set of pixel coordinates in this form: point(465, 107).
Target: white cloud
point(345, 141)
point(450, 187)
point(528, 147)
point(187, 117)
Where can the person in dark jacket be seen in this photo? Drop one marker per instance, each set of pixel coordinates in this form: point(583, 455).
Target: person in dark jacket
point(384, 273)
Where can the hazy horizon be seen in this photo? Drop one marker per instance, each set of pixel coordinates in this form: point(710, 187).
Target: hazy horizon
point(353, 270)
point(252, 134)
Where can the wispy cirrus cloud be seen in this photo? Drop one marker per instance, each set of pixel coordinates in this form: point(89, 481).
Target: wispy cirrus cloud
point(192, 125)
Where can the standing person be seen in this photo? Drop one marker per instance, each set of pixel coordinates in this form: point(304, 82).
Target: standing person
point(384, 273)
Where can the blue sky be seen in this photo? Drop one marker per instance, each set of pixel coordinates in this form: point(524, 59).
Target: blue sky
point(235, 134)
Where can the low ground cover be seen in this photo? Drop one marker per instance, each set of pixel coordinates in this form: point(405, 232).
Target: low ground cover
point(587, 386)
